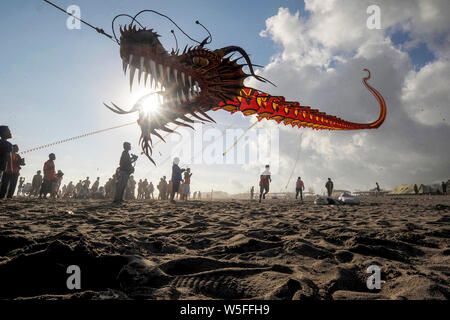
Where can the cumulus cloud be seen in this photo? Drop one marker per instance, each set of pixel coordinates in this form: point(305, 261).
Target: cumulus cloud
point(322, 54)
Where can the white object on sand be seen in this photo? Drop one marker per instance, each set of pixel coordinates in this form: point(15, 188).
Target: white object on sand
point(348, 198)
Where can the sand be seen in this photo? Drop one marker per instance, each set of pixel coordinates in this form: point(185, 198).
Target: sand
point(225, 249)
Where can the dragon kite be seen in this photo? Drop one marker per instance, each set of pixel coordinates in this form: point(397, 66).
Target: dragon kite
point(197, 80)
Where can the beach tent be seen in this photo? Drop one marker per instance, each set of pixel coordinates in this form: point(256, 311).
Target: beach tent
point(423, 189)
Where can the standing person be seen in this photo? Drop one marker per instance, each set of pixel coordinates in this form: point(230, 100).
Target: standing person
point(159, 187)
point(5, 148)
point(95, 186)
point(86, 184)
point(70, 189)
point(199, 194)
point(151, 190)
point(416, 189)
point(176, 178)
point(56, 184)
point(108, 188)
point(329, 186)
point(20, 187)
point(84, 193)
point(168, 190)
point(49, 176)
point(131, 186)
point(377, 189)
point(36, 184)
point(140, 194)
point(299, 188)
point(125, 170)
point(264, 183)
point(252, 192)
point(444, 188)
point(11, 174)
point(78, 188)
point(145, 193)
point(187, 183)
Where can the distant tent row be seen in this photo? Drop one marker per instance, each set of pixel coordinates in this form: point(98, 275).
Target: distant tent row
point(423, 189)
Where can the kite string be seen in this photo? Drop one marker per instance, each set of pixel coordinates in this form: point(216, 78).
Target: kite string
point(75, 138)
point(295, 165)
point(99, 30)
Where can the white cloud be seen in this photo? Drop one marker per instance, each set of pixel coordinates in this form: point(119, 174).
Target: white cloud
point(426, 93)
point(407, 148)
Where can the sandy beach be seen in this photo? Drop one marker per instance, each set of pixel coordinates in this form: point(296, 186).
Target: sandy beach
point(225, 249)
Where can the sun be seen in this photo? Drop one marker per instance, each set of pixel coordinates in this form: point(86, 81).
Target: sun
point(149, 102)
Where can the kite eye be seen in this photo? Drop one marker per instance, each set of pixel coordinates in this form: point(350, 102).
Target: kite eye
point(200, 61)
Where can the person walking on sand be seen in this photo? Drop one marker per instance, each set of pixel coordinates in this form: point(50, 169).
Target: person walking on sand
point(252, 192)
point(377, 189)
point(329, 186)
point(5, 149)
point(299, 188)
point(444, 188)
point(125, 170)
point(264, 183)
point(49, 176)
point(36, 184)
point(176, 178)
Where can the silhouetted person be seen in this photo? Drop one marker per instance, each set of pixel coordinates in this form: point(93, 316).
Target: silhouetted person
point(125, 170)
point(70, 189)
point(36, 183)
point(416, 189)
point(20, 187)
point(299, 188)
point(187, 183)
point(5, 149)
point(11, 174)
point(377, 189)
point(131, 186)
point(176, 178)
point(95, 186)
point(151, 190)
point(329, 185)
point(264, 183)
point(78, 189)
point(144, 191)
point(49, 176)
point(444, 188)
point(252, 192)
point(56, 184)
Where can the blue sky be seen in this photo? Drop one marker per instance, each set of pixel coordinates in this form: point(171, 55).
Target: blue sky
point(54, 81)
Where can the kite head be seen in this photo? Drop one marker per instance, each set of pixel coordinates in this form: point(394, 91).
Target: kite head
point(180, 84)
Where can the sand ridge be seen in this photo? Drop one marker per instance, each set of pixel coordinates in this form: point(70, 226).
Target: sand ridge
point(230, 249)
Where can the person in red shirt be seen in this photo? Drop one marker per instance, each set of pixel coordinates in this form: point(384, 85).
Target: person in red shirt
point(299, 187)
point(264, 183)
point(49, 176)
point(11, 174)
